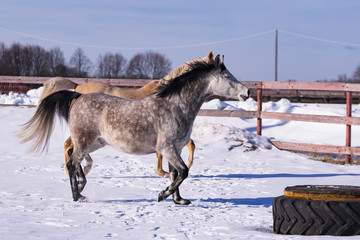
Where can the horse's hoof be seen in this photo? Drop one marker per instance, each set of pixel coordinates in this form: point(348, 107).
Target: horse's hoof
point(80, 198)
point(162, 196)
point(163, 174)
point(182, 202)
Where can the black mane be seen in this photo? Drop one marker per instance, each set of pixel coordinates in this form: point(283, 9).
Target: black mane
point(175, 85)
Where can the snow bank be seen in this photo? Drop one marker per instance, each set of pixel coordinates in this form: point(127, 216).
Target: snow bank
point(30, 98)
point(233, 136)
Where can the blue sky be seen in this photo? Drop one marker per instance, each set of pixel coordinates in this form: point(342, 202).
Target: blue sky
point(174, 27)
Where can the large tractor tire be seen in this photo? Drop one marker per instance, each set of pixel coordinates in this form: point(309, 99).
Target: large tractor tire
point(318, 210)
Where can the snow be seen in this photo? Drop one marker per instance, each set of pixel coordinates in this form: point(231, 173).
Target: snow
point(30, 98)
point(235, 176)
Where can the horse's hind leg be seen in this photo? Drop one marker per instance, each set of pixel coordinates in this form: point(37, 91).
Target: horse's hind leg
point(159, 170)
point(81, 179)
point(77, 177)
point(68, 150)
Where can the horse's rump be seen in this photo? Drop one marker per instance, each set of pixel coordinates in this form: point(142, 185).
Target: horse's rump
point(57, 84)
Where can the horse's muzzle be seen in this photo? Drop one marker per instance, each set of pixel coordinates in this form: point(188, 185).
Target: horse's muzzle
point(243, 97)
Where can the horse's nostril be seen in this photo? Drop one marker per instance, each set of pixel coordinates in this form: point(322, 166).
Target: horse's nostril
point(246, 95)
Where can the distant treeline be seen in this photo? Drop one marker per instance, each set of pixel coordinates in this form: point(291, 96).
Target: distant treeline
point(34, 60)
point(345, 79)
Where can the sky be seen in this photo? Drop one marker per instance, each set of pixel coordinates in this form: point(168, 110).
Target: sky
point(318, 39)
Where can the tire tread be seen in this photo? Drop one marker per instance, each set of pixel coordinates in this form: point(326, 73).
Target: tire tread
point(315, 217)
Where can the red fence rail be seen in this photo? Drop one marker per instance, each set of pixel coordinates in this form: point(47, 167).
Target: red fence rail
point(348, 120)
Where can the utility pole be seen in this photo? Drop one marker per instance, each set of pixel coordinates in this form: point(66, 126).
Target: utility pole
point(276, 55)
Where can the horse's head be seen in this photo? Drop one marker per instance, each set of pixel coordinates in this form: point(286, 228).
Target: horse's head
point(224, 84)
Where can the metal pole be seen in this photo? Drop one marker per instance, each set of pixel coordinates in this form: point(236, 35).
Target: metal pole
point(348, 126)
point(259, 108)
point(276, 55)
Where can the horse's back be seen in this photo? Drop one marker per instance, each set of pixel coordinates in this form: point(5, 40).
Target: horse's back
point(94, 87)
point(101, 87)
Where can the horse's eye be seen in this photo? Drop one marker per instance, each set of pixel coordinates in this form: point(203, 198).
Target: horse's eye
point(227, 76)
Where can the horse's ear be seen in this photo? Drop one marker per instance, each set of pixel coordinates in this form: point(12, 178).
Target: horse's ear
point(217, 61)
point(210, 57)
point(222, 59)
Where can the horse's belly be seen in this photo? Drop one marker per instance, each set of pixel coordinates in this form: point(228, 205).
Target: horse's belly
point(131, 142)
point(133, 148)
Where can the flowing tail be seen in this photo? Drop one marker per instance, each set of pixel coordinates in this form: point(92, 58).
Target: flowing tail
point(40, 127)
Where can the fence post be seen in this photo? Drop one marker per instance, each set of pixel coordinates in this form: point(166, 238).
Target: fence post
point(259, 109)
point(348, 126)
point(276, 55)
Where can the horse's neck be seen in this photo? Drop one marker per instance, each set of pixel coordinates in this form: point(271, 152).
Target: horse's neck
point(190, 100)
point(145, 91)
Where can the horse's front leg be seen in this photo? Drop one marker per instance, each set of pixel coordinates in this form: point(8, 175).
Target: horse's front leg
point(75, 173)
point(176, 195)
point(191, 147)
point(68, 149)
point(179, 171)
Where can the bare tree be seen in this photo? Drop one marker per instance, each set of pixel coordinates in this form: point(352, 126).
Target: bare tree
point(34, 61)
point(27, 60)
point(80, 63)
point(356, 75)
point(11, 61)
point(57, 66)
point(40, 61)
point(343, 78)
point(2, 49)
point(31, 60)
point(138, 67)
point(148, 65)
point(160, 65)
point(111, 65)
point(19, 60)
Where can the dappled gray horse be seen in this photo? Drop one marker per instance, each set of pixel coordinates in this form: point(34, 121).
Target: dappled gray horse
point(160, 123)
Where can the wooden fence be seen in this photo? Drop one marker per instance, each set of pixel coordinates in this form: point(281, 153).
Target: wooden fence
point(348, 120)
point(259, 87)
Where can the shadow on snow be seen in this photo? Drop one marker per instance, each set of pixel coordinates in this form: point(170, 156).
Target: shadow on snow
point(275, 175)
point(239, 175)
point(262, 201)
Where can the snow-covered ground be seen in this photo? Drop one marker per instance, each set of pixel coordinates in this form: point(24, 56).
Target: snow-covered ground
point(235, 176)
